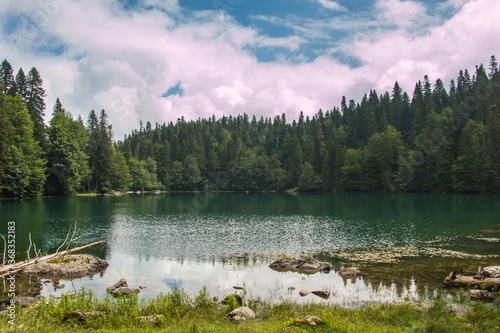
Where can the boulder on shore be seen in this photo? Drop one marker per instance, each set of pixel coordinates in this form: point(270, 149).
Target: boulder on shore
point(67, 266)
point(301, 265)
point(240, 313)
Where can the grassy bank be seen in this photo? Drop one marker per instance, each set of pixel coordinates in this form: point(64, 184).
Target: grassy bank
point(179, 312)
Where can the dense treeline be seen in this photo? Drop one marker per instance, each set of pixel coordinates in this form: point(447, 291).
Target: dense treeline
point(436, 140)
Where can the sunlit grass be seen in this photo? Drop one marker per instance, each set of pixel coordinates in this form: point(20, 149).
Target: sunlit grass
point(180, 312)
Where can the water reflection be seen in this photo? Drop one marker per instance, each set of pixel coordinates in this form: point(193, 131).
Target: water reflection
point(231, 239)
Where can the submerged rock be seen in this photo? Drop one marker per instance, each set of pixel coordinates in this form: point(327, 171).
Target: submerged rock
point(67, 266)
point(350, 272)
point(302, 265)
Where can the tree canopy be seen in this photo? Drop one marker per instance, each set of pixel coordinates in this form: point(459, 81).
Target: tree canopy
point(432, 140)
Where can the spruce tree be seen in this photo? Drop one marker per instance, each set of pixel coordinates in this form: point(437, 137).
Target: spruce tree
point(36, 104)
point(22, 85)
point(493, 67)
point(7, 82)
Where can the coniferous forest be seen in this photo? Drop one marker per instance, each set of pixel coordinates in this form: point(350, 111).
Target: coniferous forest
point(438, 138)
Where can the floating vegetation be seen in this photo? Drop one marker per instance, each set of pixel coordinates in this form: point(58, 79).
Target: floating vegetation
point(394, 254)
point(486, 239)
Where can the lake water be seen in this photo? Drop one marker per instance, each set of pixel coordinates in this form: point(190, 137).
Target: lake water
point(405, 243)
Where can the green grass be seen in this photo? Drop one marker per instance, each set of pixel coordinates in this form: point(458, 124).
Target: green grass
point(179, 312)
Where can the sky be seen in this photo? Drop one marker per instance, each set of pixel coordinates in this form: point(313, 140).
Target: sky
point(159, 60)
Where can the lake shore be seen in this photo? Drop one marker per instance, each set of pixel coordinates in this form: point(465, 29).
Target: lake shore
point(177, 311)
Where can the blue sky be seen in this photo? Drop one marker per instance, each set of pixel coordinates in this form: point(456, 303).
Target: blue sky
point(158, 60)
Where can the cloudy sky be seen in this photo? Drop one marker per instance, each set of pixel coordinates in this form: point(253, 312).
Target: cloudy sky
point(158, 60)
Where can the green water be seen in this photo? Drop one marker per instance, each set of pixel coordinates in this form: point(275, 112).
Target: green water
point(220, 240)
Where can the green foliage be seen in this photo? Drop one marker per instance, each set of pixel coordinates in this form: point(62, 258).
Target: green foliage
point(66, 155)
point(178, 312)
point(22, 169)
point(120, 173)
point(435, 141)
point(100, 151)
point(35, 103)
point(309, 179)
point(143, 174)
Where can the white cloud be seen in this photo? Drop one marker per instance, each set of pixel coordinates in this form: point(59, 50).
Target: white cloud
point(124, 61)
point(332, 5)
point(292, 43)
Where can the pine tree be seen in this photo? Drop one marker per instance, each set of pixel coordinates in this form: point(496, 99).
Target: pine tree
point(418, 109)
point(100, 152)
point(7, 82)
point(36, 105)
point(493, 67)
point(396, 108)
point(440, 96)
point(58, 108)
point(22, 85)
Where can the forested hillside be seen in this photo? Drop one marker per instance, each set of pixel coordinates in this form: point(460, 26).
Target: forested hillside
point(437, 139)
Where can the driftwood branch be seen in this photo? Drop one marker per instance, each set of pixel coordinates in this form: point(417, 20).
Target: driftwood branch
point(66, 239)
point(454, 280)
point(29, 247)
point(4, 249)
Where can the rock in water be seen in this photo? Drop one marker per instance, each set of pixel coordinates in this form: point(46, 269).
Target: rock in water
point(490, 272)
point(304, 292)
point(302, 265)
point(322, 293)
point(124, 291)
point(350, 272)
point(120, 284)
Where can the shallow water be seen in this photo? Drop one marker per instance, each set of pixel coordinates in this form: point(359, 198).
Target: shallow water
point(406, 243)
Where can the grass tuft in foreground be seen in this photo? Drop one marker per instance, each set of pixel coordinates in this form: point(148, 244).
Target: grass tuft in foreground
point(176, 311)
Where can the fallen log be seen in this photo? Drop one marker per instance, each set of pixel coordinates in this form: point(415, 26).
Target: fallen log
point(12, 269)
point(454, 280)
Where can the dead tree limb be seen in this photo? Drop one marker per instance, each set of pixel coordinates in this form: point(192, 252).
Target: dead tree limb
point(4, 249)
